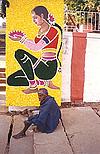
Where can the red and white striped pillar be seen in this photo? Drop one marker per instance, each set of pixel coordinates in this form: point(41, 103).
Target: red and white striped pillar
point(81, 67)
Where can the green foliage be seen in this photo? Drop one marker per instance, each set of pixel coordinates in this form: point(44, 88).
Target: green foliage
point(75, 17)
point(79, 5)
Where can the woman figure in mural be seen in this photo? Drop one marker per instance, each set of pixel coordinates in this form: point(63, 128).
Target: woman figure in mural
point(46, 67)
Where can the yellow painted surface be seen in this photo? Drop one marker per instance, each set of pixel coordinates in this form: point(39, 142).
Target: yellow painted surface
point(19, 18)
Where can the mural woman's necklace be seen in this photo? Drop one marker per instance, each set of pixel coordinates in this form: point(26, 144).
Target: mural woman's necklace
point(42, 32)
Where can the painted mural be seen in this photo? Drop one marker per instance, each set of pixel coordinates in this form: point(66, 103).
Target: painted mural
point(34, 50)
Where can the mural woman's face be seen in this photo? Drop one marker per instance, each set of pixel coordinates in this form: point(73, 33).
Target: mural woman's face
point(38, 20)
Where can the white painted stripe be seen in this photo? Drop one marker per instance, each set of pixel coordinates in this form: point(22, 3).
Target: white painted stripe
point(21, 108)
point(2, 64)
point(2, 84)
point(92, 69)
point(2, 92)
point(66, 66)
point(2, 58)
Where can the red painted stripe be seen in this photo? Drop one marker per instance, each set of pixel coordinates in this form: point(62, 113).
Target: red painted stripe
point(77, 66)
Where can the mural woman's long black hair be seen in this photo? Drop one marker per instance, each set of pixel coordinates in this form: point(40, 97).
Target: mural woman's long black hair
point(58, 26)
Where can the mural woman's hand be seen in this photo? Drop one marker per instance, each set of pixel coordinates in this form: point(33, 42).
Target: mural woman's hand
point(17, 36)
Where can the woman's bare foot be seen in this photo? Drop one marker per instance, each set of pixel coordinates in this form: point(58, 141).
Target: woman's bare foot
point(30, 90)
point(52, 86)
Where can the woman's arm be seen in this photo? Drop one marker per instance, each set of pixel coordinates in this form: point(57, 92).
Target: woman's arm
point(30, 44)
point(44, 41)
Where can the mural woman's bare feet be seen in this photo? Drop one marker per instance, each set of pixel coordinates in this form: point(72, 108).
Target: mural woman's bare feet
point(30, 90)
point(52, 86)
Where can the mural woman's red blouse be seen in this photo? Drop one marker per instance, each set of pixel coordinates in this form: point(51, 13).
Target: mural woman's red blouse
point(52, 36)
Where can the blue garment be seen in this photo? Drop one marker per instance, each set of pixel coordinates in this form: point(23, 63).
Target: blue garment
point(48, 117)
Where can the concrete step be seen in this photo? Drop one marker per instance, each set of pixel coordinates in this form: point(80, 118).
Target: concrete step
point(3, 95)
point(2, 75)
point(54, 143)
point(3, 107)
point(2, 80)
point(24, 145)
point(39, 143)
point(2, 69)
point(83, 128)
point(4, 129)
point(2, 88)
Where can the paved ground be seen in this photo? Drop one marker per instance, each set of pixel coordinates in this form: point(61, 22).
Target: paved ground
point(79, 134)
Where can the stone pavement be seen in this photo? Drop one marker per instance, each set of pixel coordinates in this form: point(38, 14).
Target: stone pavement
point(80, 134)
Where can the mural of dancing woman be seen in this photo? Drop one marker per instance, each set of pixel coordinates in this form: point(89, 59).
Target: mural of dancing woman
point(44, 68)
